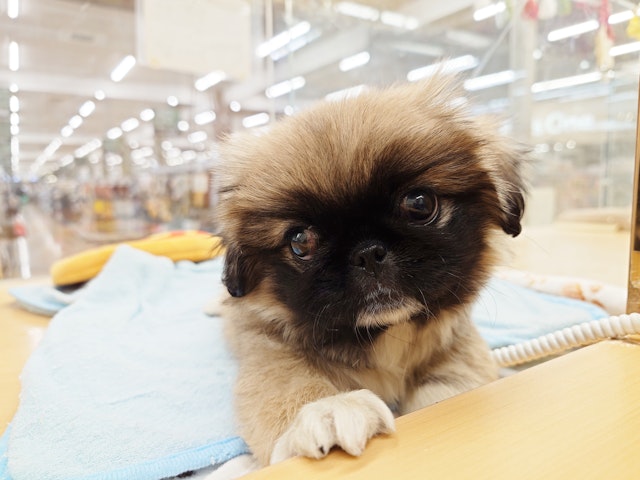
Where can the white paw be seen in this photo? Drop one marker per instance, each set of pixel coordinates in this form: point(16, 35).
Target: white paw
point(347, 420)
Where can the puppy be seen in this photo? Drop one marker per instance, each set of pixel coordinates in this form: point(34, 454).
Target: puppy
point(358, 234)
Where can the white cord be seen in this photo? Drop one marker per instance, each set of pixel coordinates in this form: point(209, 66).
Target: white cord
point(561, 340)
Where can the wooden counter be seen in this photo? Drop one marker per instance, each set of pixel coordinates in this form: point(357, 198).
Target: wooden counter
point(577, 416)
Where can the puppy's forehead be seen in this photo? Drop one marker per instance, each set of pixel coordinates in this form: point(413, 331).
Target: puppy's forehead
point(335, 154)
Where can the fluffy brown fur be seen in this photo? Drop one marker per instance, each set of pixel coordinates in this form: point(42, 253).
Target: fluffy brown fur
point(396, 196)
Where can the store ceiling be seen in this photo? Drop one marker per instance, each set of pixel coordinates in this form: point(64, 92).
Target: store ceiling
point(68, 49)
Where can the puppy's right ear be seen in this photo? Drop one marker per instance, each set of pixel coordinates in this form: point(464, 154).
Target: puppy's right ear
point(239, 274)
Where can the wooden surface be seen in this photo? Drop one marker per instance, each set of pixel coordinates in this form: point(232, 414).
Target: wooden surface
point(577, 416)
point(20, 332)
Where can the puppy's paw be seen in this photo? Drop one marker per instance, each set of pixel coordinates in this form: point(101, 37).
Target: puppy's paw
point(347, 420)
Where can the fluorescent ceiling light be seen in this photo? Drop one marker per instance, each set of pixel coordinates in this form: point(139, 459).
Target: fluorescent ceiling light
point(172, 101)
point(87, 108)
point(491, 80)
point(621, 17)
point(235, 106)
point(125, 65)
point(13, 88)
point(209, 80)
point(282, 39)
point(395, 19)
point(358, 10)
point(88, 148)
point(489, 11)
point(66, 131)
point(624, 49)
point(255, 120)
point(75, 121)
point(15, 146)
point(573, 30)
point(566, 82)
point(203, 118)
point(99, 95)
point(345, 93)
point(129, 124)
point(197, 137)
point(13, 9)
point(354, 61)
point(114, 133)
point(14, 129)
point(183, 125)
point(455, 65)
point(14, 118)
point(283, 88)
point(14, 56)
point(14, 104)
point(55, 144)
point(147, 115)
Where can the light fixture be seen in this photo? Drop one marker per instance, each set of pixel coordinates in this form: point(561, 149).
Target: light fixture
point(566, 82)
point(573, 30)
point(53, 146)
point(209, 80)
point(14, 56)
point(124, 67)
point(87, 108)
point(172, 101)
point(455, 65)
point(490, 80)
point(621, 17)
point(15, 147)
point(354, 61)
point(13, 88)
point(283, 88)
point(183, 126)
point(395, 19)
point(75, 121)
point(14, 129)
point(13, 9)
point(197, 137)
point(489, 11)
point(14, 118)
point(282, 39)
point(88, 148)
point(129, 124)
point(99, 95)
point(66, 131)
point(358, 10)
point(203, 118)
point(114, 133)
point(14, 104)
point(624, 49)
point(345, 93)
point(235, 106)
point(147, 115)
point(255, 120)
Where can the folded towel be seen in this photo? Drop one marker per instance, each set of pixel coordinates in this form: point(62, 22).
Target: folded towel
point(132, 381)
point(506, 313)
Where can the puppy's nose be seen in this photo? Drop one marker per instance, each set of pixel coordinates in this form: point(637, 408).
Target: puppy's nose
point(370, 257)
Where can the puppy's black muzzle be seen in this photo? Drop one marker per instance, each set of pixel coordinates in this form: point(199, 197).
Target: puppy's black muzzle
point(370, 257)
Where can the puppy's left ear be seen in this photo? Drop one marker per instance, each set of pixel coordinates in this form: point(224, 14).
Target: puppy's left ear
point(505, 164)
point(239, 274)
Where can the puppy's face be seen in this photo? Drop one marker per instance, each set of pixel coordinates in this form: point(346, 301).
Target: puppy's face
point(352, 217)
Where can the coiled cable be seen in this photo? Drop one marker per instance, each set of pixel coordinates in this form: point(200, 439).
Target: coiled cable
point(556, 342)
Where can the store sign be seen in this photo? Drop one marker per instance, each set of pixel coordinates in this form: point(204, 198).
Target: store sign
point(196, 36)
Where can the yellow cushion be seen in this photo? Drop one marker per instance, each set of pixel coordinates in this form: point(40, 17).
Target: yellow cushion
point(191, 245)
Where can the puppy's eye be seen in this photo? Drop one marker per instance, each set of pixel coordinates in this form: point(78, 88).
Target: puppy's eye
point(304, 243)
point(419, 207)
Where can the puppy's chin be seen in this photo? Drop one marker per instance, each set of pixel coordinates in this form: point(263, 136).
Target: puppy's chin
point(386, 314)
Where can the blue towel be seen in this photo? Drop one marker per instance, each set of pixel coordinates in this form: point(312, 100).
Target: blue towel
point(132, 381)
point(506, 313)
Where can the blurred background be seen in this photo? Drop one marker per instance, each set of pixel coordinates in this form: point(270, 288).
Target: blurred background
point(111, 110)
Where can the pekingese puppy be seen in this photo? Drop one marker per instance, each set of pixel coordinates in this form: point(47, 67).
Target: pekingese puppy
point(358, 235)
